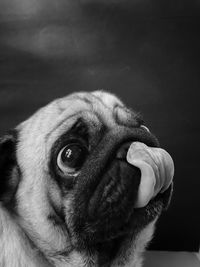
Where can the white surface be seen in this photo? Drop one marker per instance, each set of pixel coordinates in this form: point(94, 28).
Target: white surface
point(170, 259)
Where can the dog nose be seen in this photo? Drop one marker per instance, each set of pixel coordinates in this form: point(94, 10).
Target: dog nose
point(122, 151)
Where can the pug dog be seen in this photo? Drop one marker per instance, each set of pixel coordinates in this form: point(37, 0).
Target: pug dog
point(68, 194)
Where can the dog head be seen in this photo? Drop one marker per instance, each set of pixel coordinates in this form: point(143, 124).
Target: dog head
point(65, 179)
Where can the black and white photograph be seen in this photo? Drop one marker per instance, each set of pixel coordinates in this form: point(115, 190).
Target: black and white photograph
point(99, 133)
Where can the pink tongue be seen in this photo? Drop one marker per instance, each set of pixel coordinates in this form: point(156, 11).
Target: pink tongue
point(157, 170)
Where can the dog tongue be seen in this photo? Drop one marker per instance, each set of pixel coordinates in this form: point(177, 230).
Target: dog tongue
point(157, 170)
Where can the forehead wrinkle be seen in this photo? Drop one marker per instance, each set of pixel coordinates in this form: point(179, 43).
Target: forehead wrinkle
point(98, 105)
point(108, 100)
point(62, 122)
point(92, 100)
point(91, 118)
point(98, 98)
point(72, 103)
point(74, 98)
point(100, 108)
point(48, 118)
point(69, 108)
point(108, 113)
point(126, 117)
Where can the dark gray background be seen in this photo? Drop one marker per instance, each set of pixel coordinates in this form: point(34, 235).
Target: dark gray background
point(147, 52)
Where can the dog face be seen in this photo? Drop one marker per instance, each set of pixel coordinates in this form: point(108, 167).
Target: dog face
point(65, 180)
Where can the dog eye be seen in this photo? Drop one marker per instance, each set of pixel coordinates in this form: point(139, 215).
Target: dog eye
point(71, 158)
point(145, 127)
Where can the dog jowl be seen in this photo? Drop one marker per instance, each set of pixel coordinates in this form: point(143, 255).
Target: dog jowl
point(82, 183)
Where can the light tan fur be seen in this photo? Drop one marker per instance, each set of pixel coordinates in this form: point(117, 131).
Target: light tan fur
point(30, 240)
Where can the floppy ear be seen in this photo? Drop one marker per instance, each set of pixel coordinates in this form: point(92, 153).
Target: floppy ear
point(9, 171)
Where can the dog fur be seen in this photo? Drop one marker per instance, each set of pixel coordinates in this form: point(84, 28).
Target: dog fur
point(41, 214)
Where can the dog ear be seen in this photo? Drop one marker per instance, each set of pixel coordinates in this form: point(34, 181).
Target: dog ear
point(9, 171)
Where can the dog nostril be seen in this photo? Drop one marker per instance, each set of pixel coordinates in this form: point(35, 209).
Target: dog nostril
point(122, 151)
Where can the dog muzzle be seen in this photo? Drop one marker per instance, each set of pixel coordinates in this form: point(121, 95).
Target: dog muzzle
point(138, 176)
